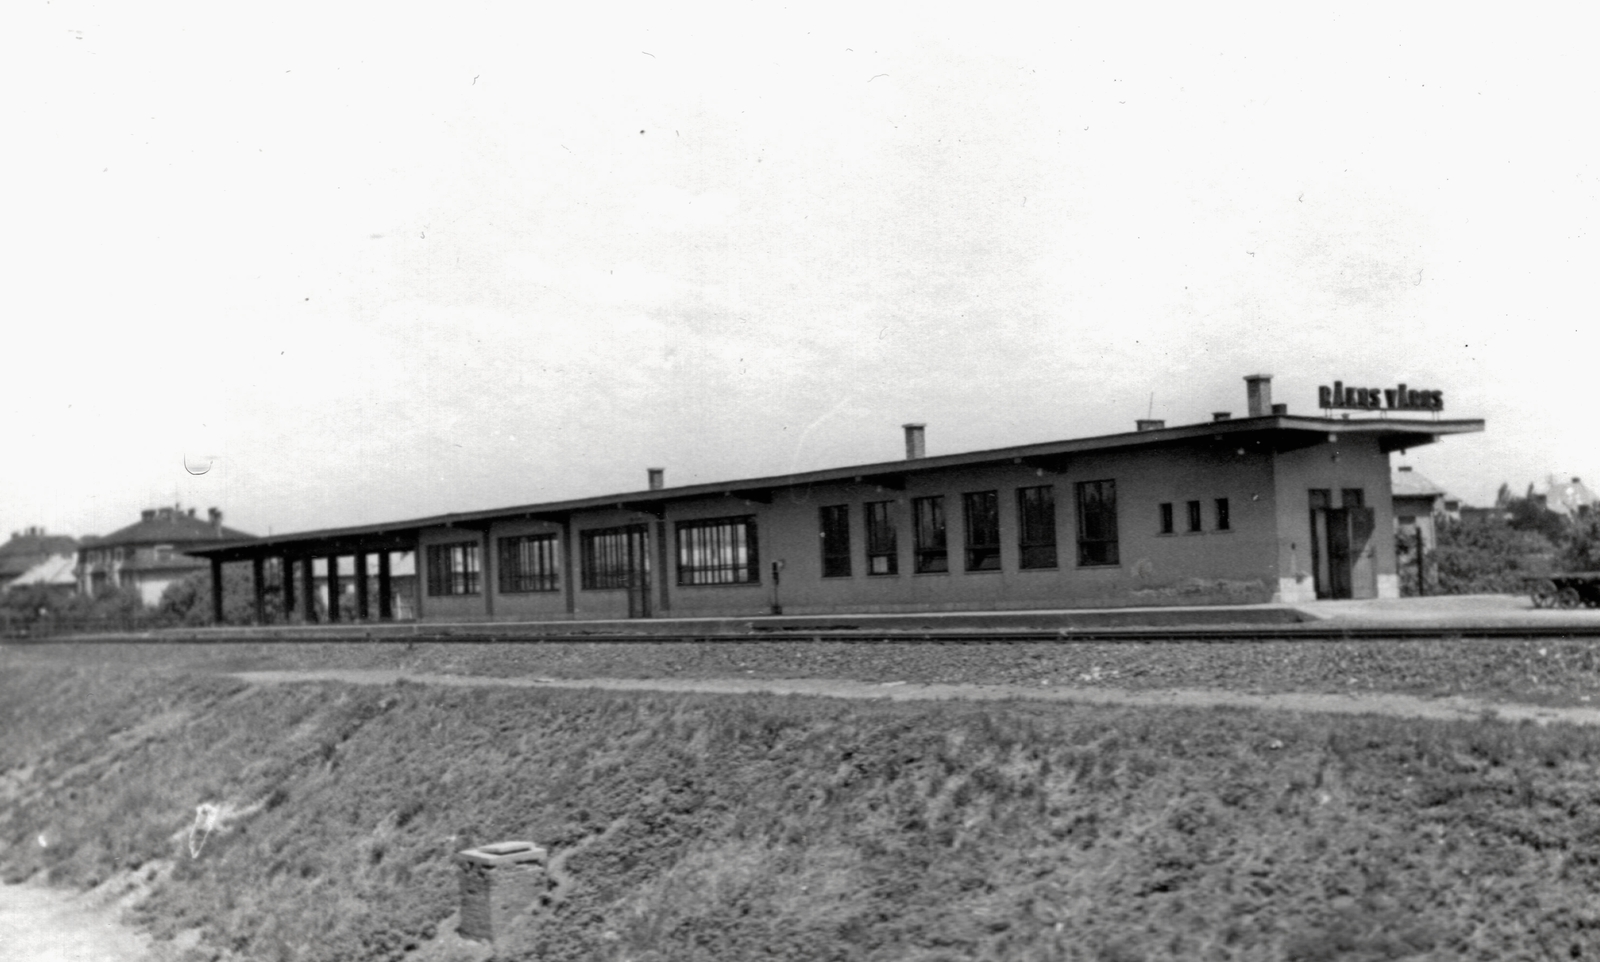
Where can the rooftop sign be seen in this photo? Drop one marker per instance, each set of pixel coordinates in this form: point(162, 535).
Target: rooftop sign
point(1399, 398)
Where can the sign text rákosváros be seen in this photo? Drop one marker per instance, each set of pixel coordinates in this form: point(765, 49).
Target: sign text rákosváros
point(1399, 398)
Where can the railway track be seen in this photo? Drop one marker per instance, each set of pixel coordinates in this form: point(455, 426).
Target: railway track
point(740, 633)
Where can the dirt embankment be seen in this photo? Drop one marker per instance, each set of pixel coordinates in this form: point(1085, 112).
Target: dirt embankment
point(799, 828)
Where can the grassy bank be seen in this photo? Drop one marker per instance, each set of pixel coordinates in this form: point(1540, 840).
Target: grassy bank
point(744, 828)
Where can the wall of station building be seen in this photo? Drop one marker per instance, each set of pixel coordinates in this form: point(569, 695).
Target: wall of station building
point(1263, 555)
point(1351, 463)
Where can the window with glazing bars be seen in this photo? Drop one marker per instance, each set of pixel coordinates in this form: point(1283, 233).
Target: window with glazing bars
point(883, 552)
point(927, 534)
point(835, 531)
point(1097, 523)
point(1036, 526)
point(529, 563)
point(1224, 522)
point(719, 551)
point(612, 557)
point(981, 515)
point(453, 568)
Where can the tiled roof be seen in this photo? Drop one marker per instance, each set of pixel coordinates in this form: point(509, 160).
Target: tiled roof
point(28, 548)
point(55, 570)
point(168, 527)
point(1411, 483)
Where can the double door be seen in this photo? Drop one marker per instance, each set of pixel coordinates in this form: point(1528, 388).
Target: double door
point(1341, 545)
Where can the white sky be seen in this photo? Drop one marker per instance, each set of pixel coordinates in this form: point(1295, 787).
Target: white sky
point(375, 262)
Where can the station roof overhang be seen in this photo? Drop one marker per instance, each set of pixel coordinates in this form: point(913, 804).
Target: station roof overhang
point(1270, 434)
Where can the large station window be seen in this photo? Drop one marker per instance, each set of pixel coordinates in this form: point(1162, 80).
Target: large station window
point(835, 532)
point(453, 568)
point(981, 514)
point(1036, 526)
point(719, 551)
point(883, 552)
point(927, 535)
point(1097, 523)
point(613, 557)
point(529, 563)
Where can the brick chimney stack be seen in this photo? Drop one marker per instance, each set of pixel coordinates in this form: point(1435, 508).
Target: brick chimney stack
point(1258, 392)
point(916, 443)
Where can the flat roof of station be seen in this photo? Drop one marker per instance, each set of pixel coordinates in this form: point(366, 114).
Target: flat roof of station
point(1277, 432)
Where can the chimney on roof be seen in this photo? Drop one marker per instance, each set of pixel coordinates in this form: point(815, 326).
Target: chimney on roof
point(1280, 409)
point(148, 514)
point(1221, 415)
point(1149, 424)
point(1258, 391)
point(658, 478)
point(191, 512)
point(916, 442)
point(216, 520)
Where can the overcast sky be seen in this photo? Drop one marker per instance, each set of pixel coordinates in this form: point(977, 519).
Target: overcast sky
point(364, 262)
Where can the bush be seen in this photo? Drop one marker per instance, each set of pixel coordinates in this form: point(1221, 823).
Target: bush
point(1489, 556)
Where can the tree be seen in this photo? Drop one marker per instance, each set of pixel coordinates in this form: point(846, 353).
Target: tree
point(188, 601)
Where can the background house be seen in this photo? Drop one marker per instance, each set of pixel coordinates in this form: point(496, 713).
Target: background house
point(1570, 499)
point(1419, 503)
point(148, 555)
point(30, 548)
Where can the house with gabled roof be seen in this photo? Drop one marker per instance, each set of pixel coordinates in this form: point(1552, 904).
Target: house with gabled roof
point(148, 555)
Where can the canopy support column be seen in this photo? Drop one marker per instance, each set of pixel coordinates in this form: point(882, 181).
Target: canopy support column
point(362, 612)
point(385, 589)
point(216, 591)
point(258, 582)
point(333, 588)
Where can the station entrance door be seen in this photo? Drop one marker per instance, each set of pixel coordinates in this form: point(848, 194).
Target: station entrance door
point(637, 552)
point(1341, 547)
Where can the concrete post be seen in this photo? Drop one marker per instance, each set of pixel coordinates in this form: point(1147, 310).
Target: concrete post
point(308, 584)
point(258, 582)
point(500, 883)
point(385, 588)
point(362, 613)
point(333, 588)
point(216, 591)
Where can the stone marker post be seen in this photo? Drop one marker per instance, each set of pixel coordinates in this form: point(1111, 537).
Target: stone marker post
point(499, 883)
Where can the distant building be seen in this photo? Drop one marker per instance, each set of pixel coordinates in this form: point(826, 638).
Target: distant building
point(148, 555)
point(56, 574)
point(1570, 499)
point(1419, 503)
point(30, 548)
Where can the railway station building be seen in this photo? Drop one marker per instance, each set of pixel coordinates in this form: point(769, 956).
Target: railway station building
point(1271, 506)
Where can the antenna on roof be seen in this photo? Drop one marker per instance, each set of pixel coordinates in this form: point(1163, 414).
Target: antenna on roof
point(1150, 411)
